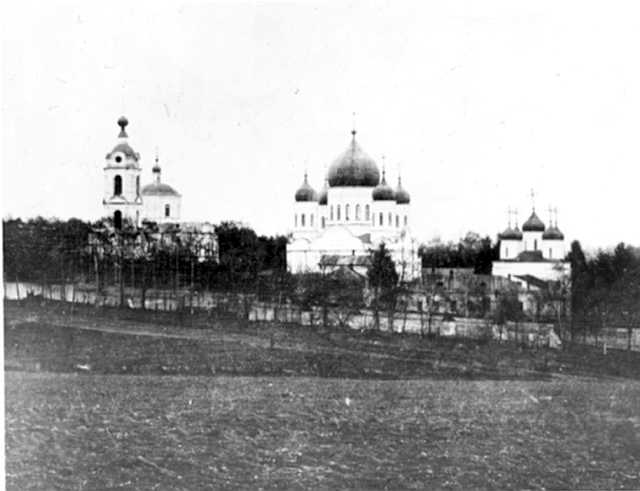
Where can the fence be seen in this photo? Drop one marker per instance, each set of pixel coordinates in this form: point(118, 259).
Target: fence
point(250, 308)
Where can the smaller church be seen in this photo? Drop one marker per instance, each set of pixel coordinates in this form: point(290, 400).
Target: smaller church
point(124, 198)
point(537, 252)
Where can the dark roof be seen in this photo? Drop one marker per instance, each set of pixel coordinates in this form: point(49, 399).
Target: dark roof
point(533, 280)
point(353, 168)
point(348, 260)
point(533, 224)
point(383, 192)
point(402, 196)
point(306, 192)
point(511, 234)
point(553, 233)
point(159, 189)
point(346, 273)
point(323, 197)
point(530, 256)
point(126, 149)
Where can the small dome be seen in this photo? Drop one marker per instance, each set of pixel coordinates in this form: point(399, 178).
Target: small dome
point(383, 192)
point(533, 224)
point(306, 192)
point(553, 233)
point(353, 168)
point(511, 234)
point(323, 198)
point(402, 196)
point(126, 149)
point(159, 189)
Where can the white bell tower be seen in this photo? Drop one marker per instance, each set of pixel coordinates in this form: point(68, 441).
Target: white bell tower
point(122, 199)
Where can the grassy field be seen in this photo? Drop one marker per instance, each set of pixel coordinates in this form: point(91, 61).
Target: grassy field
point(70, 431)
point(113, 401)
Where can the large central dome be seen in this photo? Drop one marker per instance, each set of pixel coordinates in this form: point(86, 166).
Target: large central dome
point(354, 168)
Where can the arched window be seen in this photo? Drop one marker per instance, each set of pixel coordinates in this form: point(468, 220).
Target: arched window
point(406, 220)
point(397, 221)
point(366, 213)
point(302, 220)
point(311, 220)
point(535, 244)
point(390, 220)
point(346, 212)
point(117, 219)
point(137, 217)
point(167, 211)
point(550, 254)
point(323, 222)
point(381, 220)
point(358, 212)
point(331, 213)
point(137, 185)
point(338, 212)
point(295, 220)
point(506, 253)
point(117, 185)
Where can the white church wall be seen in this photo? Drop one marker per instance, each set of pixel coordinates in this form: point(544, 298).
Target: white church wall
point(548, 270)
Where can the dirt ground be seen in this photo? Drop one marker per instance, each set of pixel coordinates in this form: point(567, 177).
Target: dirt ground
point(71, 431)
point(106, 401)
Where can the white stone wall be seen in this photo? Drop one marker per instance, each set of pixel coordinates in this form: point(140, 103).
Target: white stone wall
point(548, 270)
point(554, 249)
point(510, 248)
point(154, 208)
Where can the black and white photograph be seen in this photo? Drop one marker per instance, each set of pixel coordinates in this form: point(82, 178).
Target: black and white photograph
point(320, 244)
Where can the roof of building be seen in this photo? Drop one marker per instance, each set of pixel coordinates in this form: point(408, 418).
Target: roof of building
point(323, 196)
point(533, 280)
point(511, 234)
point(126, 149)
point(346, 260)
point(305, 192)
point(383, 192)
point(530, 257)
point(159, 189)
point(353, 168)
point(533, 224)
point(402, 196)
point(553, 233)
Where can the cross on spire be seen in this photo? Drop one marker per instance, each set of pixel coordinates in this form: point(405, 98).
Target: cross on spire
point(533, 200)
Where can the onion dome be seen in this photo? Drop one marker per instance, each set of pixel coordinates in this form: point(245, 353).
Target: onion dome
point(323, 198)
point(533, 224)
point(306, 192)
point(353, 168)
point(383, 192)
point(511, 234)
point(402, 197)
point(553, 233)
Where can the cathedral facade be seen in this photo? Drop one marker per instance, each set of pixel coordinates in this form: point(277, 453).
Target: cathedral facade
point(355, 211)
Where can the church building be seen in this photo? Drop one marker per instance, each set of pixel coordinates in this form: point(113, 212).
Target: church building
point(538, 251)
point(355, 211)
point(123, 196)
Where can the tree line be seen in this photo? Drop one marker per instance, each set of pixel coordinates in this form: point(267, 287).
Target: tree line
point(605, 288)
point(54, 251)
point(471, 251)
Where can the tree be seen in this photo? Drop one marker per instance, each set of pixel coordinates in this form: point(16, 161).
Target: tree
point(508, 309)
point(383, 278)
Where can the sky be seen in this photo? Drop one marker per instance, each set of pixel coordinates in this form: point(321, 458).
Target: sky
point(474, 103)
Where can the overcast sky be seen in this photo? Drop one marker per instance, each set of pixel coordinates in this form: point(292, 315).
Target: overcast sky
point(475, 102)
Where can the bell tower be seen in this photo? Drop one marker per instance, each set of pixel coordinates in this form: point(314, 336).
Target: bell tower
point(122, 199)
